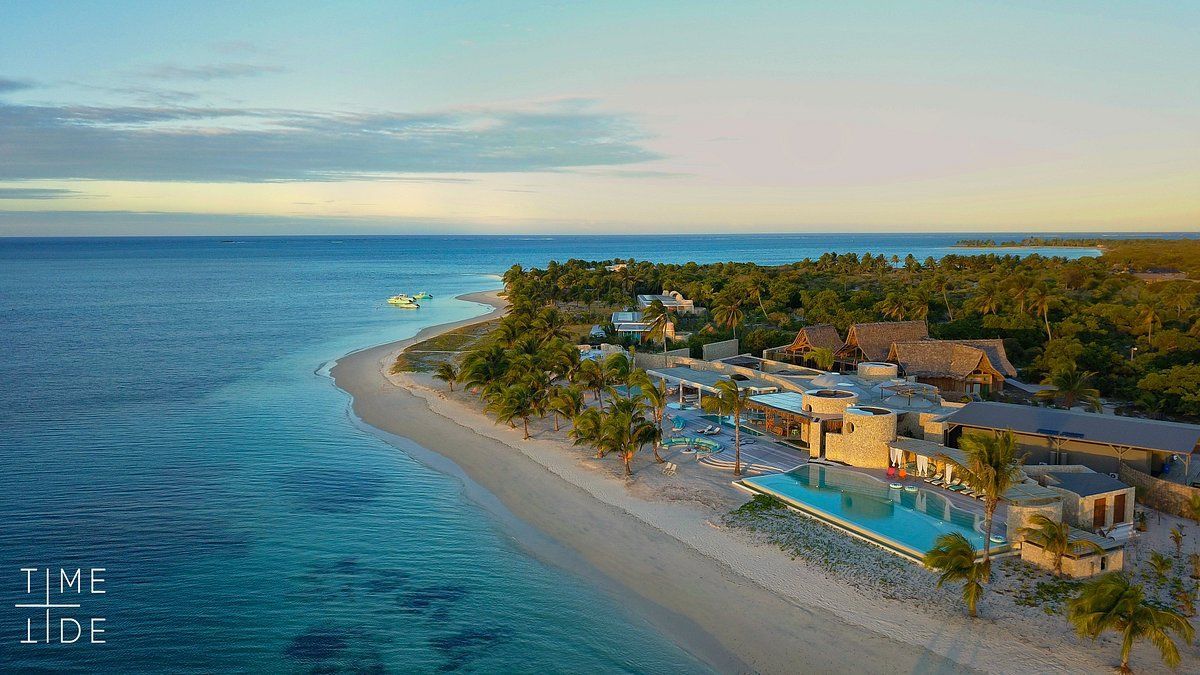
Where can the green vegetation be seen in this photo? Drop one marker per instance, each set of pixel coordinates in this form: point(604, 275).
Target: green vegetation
point(1139, 340)
point(1114, 603)
point(730, 400)
point(992, 466)
point(528, 368)
point(954, 558)
point(425, 356)
point(1055, 539)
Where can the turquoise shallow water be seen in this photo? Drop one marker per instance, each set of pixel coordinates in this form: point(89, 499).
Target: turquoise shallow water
point(166, 416)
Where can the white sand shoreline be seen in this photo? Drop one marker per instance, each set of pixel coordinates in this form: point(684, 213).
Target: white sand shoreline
point(733, 601)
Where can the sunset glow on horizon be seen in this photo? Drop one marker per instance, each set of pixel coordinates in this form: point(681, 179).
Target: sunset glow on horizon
point(270, 118)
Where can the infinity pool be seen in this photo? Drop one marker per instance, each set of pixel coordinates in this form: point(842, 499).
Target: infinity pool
point(906, 522)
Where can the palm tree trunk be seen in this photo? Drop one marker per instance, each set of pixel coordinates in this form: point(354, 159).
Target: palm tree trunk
point(946, 298)
point(525, 421)
point(556, 420)
point(627, 456)
point(737, 444)
point(1046, 317)
point(989, 510)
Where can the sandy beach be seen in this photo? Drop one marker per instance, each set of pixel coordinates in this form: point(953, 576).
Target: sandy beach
point(736, 602)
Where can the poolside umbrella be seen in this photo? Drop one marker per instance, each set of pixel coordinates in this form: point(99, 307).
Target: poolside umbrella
point(949, 472)
point(922, 464)
point(891, 455)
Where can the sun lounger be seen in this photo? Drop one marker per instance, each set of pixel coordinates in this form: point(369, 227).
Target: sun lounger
point(936, 479)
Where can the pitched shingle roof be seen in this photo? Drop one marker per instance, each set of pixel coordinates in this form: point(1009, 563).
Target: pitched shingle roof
point(875, 339)
point(821, 335)
point(1130, 432)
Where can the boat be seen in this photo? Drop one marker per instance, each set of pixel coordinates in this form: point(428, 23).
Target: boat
point(403, 301)
point(423, 296)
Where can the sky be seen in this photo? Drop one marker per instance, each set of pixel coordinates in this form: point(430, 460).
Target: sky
point(609, 117)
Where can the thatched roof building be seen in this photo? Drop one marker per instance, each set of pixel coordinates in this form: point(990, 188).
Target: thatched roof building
point(814, 337)
point(873, 341)
point(976, 366)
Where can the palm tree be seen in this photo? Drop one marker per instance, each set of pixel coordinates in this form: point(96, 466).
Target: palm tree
point(484, 368)
point(1191, 508)
point(550, 325)
point(658, 318)
point(565, 401)
point(954, 557)
point(447, 372)
point(942, 283)
point(1162, 565)
point(1055, 538)
point(655, 394)
point(1148, 316)
point(585, 427)
point(729, 315)
point(893, 307)
point(616, 370)
point(511, 403)
point(590, 374)
point(1071, 386)
point(1041, 299)
point(992, 465)
point(1114, 603)
point(988, 298)
point(730, 399)
point(822, 358)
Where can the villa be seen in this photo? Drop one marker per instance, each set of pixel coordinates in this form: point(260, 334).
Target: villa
point(632, 324)
point(809, 339)
point(672, 300)
point(873, 341)
point(966, 366)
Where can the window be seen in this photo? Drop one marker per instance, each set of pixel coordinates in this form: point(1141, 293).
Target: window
point(849, 427)
point(1103, 563)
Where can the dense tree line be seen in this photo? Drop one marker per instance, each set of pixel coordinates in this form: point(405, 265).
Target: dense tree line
point(1119, 335)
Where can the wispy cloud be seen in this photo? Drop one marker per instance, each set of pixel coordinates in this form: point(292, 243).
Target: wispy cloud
point(214, 71)
point(181, 143)
point(7, 84)
point(38, 193)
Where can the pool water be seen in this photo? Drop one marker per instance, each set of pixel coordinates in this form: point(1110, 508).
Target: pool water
point(906, 522)
point(726, 420)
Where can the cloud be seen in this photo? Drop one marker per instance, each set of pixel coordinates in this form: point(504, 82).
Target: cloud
point(216, 71)
point(7, 84)
point(38, 193)
point(198, 144)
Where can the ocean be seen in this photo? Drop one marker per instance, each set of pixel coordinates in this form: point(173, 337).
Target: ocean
point(166, 415)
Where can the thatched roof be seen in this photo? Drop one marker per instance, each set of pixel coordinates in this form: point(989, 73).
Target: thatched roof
point(813, 337)
point(875, 339)
point(937, 358)
point(995, 352)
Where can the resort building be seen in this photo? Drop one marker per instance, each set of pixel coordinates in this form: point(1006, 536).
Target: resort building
point(808, 339)
point(954, 366)
point(694, 383)
point(873, 341)
point(632, 325)
point(672, 300)
point(1092, 501)
point(1100, 442)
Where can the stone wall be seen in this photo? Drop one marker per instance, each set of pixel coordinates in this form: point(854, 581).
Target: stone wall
point(1159, 494)
point(650, 359)
point(864, 439)
point(720, 350)
point(1020, 515)
point(1087, 565)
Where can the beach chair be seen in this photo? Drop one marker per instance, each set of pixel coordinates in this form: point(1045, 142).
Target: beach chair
point(935, 479)
point(955, 485)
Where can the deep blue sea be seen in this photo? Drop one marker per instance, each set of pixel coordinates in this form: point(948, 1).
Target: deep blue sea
point(165, 415)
